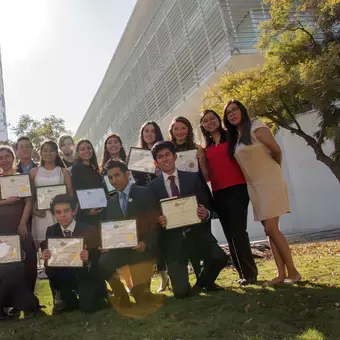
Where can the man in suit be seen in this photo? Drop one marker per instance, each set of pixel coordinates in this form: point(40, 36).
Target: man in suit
point(194, 241)
point(132, 202)
point(72, 281)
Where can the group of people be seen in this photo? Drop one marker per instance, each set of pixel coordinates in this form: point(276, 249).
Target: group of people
point(241, 160)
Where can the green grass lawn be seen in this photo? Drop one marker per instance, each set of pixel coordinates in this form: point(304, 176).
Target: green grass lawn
point(309, 310)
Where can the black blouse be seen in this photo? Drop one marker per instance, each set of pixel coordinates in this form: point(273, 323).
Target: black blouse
point(86, 177)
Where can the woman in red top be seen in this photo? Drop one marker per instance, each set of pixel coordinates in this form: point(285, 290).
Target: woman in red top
point(230, 195)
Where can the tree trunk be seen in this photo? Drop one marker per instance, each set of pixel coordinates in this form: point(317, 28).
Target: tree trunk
point(320, 155)
point(332, 164)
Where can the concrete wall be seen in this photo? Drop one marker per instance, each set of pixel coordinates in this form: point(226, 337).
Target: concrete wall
point(314, 191)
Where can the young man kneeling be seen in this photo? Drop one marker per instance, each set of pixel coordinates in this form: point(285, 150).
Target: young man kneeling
point(77, 287)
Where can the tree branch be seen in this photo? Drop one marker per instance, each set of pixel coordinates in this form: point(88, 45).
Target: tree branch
point(290, 114)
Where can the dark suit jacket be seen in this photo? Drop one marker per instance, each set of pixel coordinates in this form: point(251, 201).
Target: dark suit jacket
point(142, 206)
point(174, 241)
point(90, 235)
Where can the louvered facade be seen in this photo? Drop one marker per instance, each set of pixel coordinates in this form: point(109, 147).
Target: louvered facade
point(155, 72)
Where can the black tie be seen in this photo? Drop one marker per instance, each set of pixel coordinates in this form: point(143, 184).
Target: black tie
point(67, 233)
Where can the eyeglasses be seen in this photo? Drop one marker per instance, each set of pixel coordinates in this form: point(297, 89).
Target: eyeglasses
point(206, 121)
point(229, 112)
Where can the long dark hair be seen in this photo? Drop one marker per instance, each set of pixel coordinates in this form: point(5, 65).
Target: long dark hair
point(190, 140)
point(106, 155)
point(159, 136)
point(93, 159)
point(206, 135)
point(54, 146)
point(245, 137)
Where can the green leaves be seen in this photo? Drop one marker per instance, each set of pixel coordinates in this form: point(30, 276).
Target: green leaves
point(37, 131)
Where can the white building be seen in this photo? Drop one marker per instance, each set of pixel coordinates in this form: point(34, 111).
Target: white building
point(3, 120)
point(170, 53)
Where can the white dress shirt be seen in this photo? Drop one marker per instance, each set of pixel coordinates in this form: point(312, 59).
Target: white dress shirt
point(167, 182)
point(70, 228)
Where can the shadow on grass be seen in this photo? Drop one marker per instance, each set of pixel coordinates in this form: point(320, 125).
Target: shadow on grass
point(304, 311)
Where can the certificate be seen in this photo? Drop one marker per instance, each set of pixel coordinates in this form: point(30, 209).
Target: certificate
point(92, 198)
point(65, 252)
point(119, 234)
point(15, 186)
point(141, 160)
point(180, 212)
point(187, 160)
point(10, 250)
point(110, 188)
point(46, 194)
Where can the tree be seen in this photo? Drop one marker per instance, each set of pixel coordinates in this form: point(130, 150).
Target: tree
point(301, 72)
point(37, 131)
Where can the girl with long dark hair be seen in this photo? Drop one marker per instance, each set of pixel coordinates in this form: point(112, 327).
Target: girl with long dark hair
point(85, 175)
point(150, 133)
point(51, 171)
point(259, 156)
point(230, 195)
point(113, 149)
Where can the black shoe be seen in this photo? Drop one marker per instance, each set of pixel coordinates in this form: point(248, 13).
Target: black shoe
point(212, 288)
point(246, 282)
point(14, 312)
point(59, 307)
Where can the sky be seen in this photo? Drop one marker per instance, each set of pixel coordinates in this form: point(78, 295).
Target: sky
point(55, 54)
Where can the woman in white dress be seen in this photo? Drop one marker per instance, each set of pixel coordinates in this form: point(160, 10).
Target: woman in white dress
point(260, 158)
point(50, 172)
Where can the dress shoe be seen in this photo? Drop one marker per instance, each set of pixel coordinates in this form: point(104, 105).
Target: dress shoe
point(246, 282)
point(164, 281)
point(212, 288)
point(59, 307)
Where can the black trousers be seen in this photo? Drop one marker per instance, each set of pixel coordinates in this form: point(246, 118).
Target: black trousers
point(79, 288)
point(202, 245)
point(30, 262)
point(13, 290)
point(231, 205)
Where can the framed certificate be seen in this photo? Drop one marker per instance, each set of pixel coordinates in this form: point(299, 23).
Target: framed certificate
point(141, 160)
point(10, 249)
point(187, 160)
point(92, 198)
point(180, 212)
point(109, 187)
point(119, 234)
point(65, 252)
point(15, 186)
point(46, 194)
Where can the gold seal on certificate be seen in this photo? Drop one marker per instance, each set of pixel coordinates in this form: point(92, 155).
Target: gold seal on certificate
point(187, 160)
point(46, 194)
point(180, 212)
point(119, 234)
point(141, 160)
point(10, 250)
point(92, 198)
point(15, 186)
point(65, 252)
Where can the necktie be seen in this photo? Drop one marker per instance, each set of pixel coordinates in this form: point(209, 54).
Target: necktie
point(123, 202)
point(173, 187)
point(67, 233)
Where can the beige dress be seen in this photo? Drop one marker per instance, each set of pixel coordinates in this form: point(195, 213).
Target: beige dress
point(266, 185)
